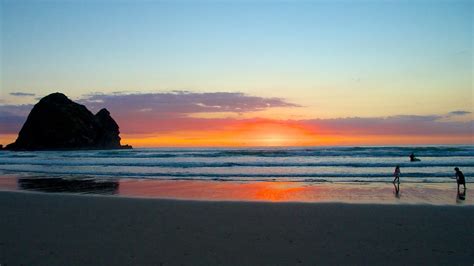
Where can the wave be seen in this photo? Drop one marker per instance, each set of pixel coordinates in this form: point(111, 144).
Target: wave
point(315, 164)
point(242, 164)
point(422, 152)
point(268, 154)
point(270, 175)
point(20, 156)
point(310, 178)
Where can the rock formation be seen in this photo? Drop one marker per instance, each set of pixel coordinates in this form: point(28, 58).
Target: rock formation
point(57, 123)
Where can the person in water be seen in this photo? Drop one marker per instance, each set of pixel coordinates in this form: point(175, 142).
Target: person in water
point(413, 158)
point(396, 174)
point(460, 178)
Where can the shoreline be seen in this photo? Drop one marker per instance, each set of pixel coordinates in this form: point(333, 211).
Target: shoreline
point(232, 191)
point(59, 229)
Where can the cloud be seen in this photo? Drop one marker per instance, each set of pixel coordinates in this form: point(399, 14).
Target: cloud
point(391, 125)
point(172, 111)
point(182, 103)
point(12, 117)
point(147, 121)
point(458, 113)
point(159, 113)
point(22, 94)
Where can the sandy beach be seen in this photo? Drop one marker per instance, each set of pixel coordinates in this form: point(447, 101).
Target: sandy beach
point(60, 229)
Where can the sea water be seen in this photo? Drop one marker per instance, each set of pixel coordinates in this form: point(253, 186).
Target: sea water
point(288, 164)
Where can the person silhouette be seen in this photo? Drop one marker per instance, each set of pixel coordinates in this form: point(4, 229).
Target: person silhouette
point(460, 179)
point(413, 158)
point(396, 174)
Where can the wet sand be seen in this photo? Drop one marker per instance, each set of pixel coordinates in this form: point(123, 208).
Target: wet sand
point(386, 193)
point(59, 229)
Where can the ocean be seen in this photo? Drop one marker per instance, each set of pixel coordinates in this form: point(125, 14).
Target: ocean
point(293, 164)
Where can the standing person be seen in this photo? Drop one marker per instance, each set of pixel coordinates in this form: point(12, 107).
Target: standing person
point(396, 174)
point(460, 178)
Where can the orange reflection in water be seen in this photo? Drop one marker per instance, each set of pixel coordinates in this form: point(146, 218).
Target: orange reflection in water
point(279, 191)
point(437, 193)
point(8, 183)
point(211, 190)
point(290, 191)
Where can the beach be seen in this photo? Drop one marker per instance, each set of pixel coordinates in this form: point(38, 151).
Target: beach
point(65, 229)
point(255, 206)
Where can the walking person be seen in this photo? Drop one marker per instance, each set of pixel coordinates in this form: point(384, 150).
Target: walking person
point(460, 179)
point(396, 174)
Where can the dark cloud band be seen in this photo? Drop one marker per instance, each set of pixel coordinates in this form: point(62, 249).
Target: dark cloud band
point(22, 94)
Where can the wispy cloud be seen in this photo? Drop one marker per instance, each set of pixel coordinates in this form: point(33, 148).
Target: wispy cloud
point(182, 103)
point(158, 112)
point(458, 113)
point(393, 125)
point(22, 94)
point(12, 117)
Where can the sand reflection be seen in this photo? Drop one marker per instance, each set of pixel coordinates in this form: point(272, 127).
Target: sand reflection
point(414, 193)
point(288, 191)
point(89, 186)
point(202, 190)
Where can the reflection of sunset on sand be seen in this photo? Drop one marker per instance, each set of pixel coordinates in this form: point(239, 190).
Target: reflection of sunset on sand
point(278, 192)
point(290, 191)
point(8, 183)
point(377, 193)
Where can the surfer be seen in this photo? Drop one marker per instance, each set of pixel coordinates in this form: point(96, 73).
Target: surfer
point(396, 174)
point(460, 178)
point(413, 158)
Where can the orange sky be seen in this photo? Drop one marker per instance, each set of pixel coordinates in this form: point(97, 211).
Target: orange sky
point(268, 132)
point(190, 119)
point(276, 133)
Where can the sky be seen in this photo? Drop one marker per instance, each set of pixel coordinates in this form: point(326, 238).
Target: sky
point(247, 73)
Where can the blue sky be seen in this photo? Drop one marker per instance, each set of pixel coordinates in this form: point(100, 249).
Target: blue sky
point(223, 45)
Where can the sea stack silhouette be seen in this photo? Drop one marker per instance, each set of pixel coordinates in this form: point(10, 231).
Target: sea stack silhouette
point(57, 123)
